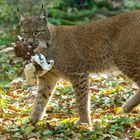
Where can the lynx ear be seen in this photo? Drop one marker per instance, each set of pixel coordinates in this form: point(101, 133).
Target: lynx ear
point(43, 15)
point(20, 15)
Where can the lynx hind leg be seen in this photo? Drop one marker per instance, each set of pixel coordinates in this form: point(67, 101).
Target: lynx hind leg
point(130, 66)
point(132, 102)
point(45, 89)
point(80, 85)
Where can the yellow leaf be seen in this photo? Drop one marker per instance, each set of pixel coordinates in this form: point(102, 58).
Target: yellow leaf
point(2, 90)
point(120, 88)
point(118, 110)
point(109, 91)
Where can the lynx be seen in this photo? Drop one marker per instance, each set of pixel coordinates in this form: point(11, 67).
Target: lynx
point(102, 45)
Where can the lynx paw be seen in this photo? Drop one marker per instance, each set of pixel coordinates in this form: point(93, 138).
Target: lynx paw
point(127, 109)
point(35, 117)
point(79, 123)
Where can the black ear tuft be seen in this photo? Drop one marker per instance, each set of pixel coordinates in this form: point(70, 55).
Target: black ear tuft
point(42, 6)
point(20, 15)
point(18, 10)
point(43, 15)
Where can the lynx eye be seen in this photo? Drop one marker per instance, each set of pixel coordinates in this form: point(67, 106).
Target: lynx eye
point(42, 30)
point(24, 33)
point(37, 33)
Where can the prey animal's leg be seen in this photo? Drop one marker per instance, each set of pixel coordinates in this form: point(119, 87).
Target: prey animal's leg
point(80, 85)
point(45, 89)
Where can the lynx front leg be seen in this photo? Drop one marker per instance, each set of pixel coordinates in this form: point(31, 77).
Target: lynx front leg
point(80, 85)
point(45, 89)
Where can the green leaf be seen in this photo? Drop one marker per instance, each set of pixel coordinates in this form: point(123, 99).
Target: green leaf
point(29, 129)
point(136, 134)
point(47, 133)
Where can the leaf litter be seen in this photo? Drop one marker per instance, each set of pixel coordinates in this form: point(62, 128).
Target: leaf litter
point(108, 94)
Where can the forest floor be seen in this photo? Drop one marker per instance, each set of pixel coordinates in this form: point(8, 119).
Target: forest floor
point(108, 94)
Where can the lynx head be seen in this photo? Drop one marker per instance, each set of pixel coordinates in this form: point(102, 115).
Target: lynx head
point(35, 30)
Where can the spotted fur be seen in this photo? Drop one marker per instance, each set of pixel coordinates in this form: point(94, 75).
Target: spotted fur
point(110, 44)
